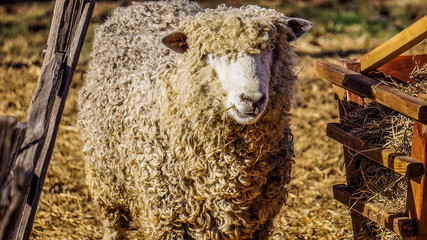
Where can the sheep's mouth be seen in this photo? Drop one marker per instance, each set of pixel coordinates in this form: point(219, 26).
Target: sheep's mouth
point(245, 114)
point(244, 117)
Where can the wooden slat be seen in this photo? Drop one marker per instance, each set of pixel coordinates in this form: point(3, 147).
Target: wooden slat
point(6, 133)
point(346, 78)
point(8, 189)
point(395, 46)
point(398, 223)
point(403, 165)
point(347, 99)
point(402, 66)
point(417, 191)
point(370, 88)
point(68, 29)
point(11, 175)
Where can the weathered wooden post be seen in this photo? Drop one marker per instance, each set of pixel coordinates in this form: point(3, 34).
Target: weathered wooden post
point(68, 30)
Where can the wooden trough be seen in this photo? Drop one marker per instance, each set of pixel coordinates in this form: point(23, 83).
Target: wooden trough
point(352, 87)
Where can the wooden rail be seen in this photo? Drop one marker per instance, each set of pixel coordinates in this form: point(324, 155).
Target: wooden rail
point(68, 29)
point(403, 165)
point(395, 46)
point(369, 88)
point(401, 224)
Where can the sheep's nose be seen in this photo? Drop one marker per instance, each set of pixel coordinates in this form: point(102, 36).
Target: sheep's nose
point(254, 105)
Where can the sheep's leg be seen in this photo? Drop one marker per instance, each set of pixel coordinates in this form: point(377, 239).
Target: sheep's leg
point(115, 224)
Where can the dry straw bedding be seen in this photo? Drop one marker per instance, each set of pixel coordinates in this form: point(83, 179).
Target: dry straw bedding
point(66, 210)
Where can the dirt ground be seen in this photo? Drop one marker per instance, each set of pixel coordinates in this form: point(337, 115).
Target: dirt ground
point(66, 210)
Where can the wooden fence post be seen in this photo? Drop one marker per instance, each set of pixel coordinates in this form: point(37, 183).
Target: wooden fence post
point(416, 205)
point(348, 101)
point(68, 30)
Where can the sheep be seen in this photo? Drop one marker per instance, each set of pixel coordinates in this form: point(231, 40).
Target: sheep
point(184, 115)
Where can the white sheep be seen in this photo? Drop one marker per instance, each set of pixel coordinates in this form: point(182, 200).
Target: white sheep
point(192, 143)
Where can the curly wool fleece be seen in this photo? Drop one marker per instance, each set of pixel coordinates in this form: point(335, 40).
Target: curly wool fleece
point(160, 149)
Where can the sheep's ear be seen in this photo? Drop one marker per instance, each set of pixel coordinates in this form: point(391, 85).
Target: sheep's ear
point(177, 41)
point(298, 26)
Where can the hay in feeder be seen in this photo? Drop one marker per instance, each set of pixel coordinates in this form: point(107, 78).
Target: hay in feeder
point(385, 128)
point(381, 126)
point(417, 81)
point(383, 188)
point(380, 184)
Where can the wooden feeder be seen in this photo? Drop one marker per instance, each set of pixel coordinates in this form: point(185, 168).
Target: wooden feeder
point(351, 86)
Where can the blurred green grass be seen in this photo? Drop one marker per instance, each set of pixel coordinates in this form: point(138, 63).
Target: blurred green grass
point(376, 19)
point(354, 18)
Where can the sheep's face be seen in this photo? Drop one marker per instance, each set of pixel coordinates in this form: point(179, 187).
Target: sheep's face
point(243, 69)
point(245, 79)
